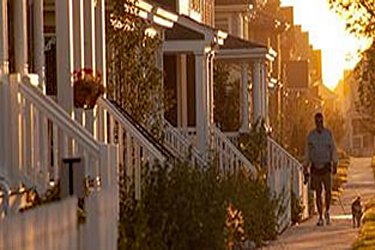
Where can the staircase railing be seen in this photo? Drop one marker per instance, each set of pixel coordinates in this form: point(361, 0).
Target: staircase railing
point(285, 175)
point(135, 149)
point(40, 133)
point(176, 140)
point(229, 157)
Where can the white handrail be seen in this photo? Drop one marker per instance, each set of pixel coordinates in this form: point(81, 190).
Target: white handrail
point(135, 150)
point(58, 115)
point(113, 111)
point(284, 175)
point(175, 139)
point(286, 153)
point(45, 135)
point(229, 156)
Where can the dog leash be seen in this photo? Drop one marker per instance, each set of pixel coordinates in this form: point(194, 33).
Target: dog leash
point(342, 206)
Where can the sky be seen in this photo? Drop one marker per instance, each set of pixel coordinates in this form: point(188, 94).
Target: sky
point(327, 32)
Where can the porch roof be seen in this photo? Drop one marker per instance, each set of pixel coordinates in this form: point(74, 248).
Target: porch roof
point(235, 48)
point(233, 42)
point(186, 32)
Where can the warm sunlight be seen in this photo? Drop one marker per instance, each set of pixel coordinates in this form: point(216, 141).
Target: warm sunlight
point(327, 32)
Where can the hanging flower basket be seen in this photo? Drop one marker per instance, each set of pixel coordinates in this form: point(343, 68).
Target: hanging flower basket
point(87, 88)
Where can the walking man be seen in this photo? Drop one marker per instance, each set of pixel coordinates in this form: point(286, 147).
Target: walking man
point(321, 156)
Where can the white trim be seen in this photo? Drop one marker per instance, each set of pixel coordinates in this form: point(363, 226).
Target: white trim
point(257, 53)
point(196, 46)
point(243, 8)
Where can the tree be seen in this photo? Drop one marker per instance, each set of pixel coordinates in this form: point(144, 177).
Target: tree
point(134, 79)
point(364, 72)
point(360, 21)
point(359, 15)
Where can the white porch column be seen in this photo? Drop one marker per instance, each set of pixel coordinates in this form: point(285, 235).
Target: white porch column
point(64, 54)
point(89, 49)
point(78, 59)
point(4, 57)
point(245, 99)
point(182, 114)
point(99, 33)
point(211, 87)
point(100, 62)
point(78, 34)
point(64, 57)
point(202, 118)
point(20, 33)
point(38, 29)
point(89, 34)
point(256, 90)
point(263, 93)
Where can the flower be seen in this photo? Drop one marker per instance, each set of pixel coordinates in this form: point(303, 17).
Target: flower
point(87, 87)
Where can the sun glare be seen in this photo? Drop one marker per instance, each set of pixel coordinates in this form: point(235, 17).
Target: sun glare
point(327, 32)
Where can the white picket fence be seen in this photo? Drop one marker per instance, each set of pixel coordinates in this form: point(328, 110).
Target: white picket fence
point(47, 227)
point(54, 226)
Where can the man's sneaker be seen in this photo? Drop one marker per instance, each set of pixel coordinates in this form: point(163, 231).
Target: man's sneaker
point(328, 219)
point(320, 222)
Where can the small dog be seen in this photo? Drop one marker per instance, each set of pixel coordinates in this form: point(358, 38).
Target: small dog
point(357, 212)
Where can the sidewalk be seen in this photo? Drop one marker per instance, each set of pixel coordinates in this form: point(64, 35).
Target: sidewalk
point(340, 234)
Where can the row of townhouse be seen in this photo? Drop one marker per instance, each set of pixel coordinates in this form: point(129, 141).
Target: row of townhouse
point(42, 134)
point(358, 139)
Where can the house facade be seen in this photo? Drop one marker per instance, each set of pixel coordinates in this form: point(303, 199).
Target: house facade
point(359, 139)
point(43, 134)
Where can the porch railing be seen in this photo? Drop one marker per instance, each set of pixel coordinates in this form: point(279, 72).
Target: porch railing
point(284, 176)
point(37, 133)
point(229, 157)
point(176, 140)
point(135, 149)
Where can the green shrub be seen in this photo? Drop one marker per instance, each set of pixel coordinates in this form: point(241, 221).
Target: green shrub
point(188, 207)
point(297, 209)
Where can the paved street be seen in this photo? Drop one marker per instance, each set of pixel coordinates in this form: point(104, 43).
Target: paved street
point(340, 234)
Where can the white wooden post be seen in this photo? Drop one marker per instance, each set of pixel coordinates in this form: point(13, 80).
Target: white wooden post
point(78, 34)
point(89, 34)
point(264, 92)
point(101, 123)
point(4, 63)
point(20, 32)
point(13, 129)
point(64, 57)
point(202, 118)
point(182, 119)
point(64, 54)
point(38, 29)
point(211, 86)
point(256, 90)
point(108, 165)
point(245, 98)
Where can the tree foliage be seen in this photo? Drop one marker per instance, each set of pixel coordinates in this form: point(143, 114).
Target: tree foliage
point(134, 79)
point(364, 73)
point(358, 14)
point(360, 21)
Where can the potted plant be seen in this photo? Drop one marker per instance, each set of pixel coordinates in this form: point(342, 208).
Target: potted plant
point(87, 88)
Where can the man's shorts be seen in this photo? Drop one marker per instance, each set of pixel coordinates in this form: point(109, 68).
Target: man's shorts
point(319, 180)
